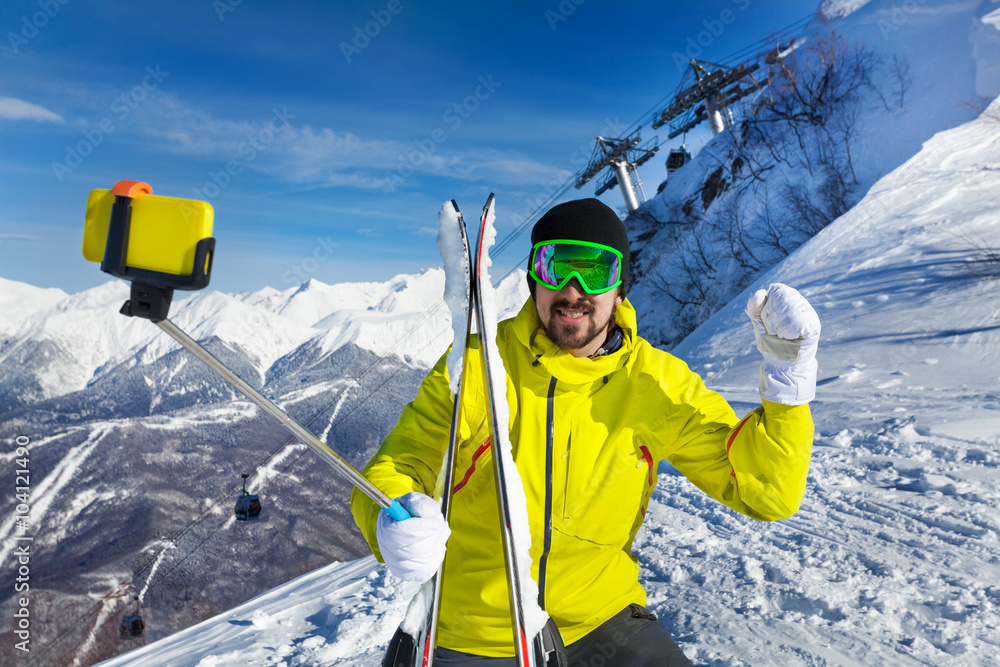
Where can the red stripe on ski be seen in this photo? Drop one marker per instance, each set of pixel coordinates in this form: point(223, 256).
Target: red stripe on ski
point(427, 651)
point(472, 468)
point(524, 647)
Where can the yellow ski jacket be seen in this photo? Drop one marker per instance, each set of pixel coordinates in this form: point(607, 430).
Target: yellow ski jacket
point(587, 435)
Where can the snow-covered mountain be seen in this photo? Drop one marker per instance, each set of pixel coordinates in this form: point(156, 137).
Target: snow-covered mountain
point(52, 344)
point(853, 97)
point(136, 448)
point(18, 300)
point(894, 557)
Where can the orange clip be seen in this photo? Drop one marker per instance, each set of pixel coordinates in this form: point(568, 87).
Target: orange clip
point(131, 189)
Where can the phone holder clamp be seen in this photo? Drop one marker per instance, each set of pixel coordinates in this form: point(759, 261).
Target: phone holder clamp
point(151, 291)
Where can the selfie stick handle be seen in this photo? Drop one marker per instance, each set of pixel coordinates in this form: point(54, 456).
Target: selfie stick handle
point(395, 510)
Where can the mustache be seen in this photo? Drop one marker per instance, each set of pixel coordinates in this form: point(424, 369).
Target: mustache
point(566, 304)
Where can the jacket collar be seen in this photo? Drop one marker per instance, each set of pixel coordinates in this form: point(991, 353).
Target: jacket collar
point(561, 364)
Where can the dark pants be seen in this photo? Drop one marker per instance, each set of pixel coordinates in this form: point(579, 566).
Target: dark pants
point(632, 638)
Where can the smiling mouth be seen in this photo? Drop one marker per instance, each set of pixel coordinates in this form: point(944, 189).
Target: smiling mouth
point(570, 315)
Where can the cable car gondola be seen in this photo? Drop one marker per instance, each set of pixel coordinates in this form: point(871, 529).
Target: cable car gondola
point(132, 625)
point(248, 504)
point(677, 158)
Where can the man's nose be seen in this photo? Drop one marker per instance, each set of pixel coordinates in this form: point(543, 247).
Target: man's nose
point(573, 290)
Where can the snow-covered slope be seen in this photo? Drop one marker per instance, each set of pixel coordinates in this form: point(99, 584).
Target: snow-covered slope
point(895, 279)
point(950, 50)
point(335, 615)
point(893, 558)
point(874, 79)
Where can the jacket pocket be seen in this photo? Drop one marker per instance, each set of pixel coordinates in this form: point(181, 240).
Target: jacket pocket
point(605, 486)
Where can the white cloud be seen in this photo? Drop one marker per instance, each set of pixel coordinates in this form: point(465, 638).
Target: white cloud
point(331, 158)
point(324, 157)
point(14, 109)
point(511, 169)
point(19, 237)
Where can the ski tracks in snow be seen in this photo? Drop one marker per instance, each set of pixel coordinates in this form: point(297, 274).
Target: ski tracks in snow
point(884, 563)
point(109, 604)
point(47, 491)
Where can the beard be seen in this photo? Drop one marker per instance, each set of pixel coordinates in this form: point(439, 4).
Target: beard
point(572, 337)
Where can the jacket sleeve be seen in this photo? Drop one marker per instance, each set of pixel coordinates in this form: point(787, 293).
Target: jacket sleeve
point(410, 456)
point(757, 465)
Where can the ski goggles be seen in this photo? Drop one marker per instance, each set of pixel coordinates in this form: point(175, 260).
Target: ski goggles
point(597, 267)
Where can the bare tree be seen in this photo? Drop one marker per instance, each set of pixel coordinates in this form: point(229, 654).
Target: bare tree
point(980, 107)
point(903, 77)
point(691, 270)
point(772, 233)
point(784, 172)
point(729, 226)
point(983, 258)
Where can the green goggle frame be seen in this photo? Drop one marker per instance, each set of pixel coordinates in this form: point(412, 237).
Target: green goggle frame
point(597, 267)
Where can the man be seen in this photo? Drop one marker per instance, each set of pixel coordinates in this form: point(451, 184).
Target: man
point(593, 408)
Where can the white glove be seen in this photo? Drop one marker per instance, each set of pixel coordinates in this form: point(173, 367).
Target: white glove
point(413, 549)
point(787, 331)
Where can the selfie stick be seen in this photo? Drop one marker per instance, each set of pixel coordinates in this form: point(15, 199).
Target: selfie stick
point(151, 294)
point(395, 510)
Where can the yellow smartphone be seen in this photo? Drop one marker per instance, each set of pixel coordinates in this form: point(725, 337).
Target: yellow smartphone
point(162, 235)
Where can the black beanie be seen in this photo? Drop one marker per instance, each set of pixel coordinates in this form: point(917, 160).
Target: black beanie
point(584, 220)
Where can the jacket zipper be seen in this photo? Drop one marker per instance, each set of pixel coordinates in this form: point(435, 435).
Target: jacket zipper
point(547, 540)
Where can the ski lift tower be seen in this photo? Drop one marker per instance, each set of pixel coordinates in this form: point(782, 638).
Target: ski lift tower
point(705, 91)
point(624, 157)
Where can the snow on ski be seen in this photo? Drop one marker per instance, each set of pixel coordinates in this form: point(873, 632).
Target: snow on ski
point(528, 619)
point(453, 241)
point(420, 622)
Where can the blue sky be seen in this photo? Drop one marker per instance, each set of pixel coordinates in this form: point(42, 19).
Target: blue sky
point(326, 135)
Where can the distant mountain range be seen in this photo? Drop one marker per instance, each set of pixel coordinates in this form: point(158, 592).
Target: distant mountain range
point(137, 448)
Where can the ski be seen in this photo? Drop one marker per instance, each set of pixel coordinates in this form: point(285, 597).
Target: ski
point(458, 295)
point(469, 293)
point(416, 638)
point(537, 642)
